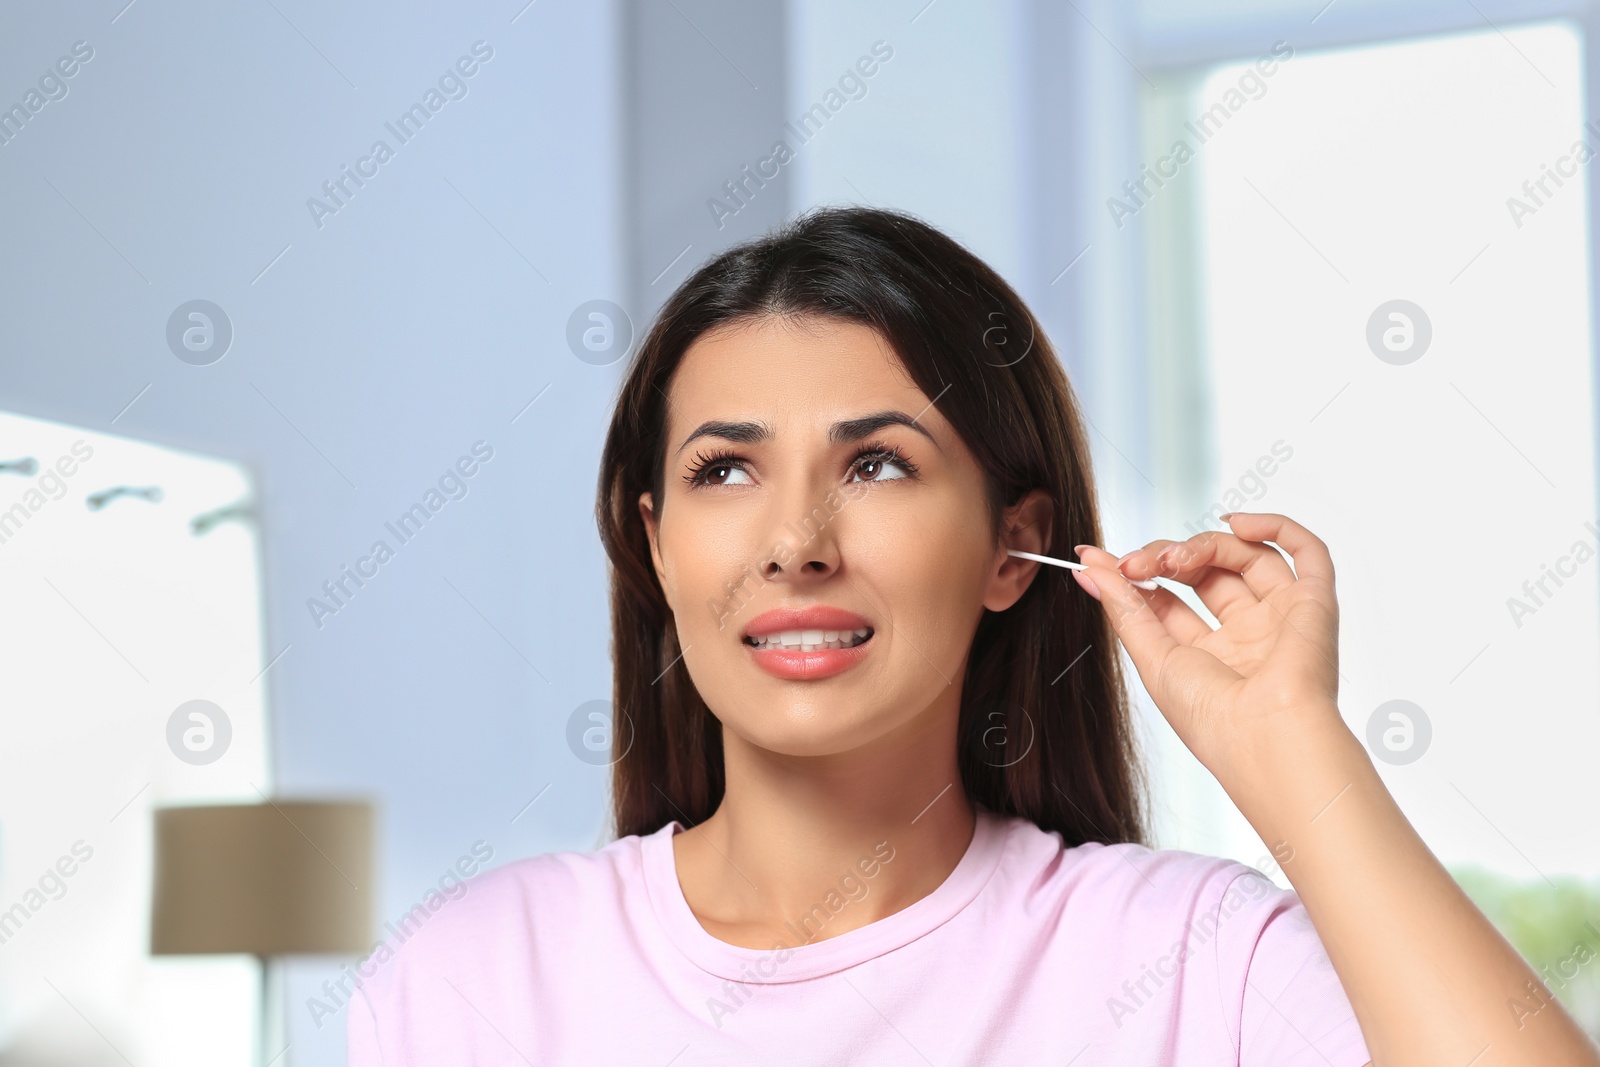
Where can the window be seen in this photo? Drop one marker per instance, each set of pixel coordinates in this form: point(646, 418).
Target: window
point(1443, 446)
point(114, 616)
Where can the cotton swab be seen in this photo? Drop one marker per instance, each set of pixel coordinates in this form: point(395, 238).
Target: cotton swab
point(1149, 584)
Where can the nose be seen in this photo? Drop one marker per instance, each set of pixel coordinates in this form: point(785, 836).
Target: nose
point(805, 539)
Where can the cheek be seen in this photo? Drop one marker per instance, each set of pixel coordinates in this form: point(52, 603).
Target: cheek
point(925, 575)
point(705, 564)
point(939, 535)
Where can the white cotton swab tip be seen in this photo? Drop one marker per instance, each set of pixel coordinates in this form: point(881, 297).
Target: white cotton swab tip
point(1147, 584)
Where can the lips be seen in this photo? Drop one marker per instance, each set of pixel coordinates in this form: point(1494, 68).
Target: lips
point(793, 643)
point(822, 617)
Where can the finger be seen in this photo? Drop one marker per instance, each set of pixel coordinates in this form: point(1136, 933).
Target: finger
point(1262, 567)
point(1141, 562)
point(1222, 591)
point(1310, 554)
point(1181, 621)
point(1136, 624)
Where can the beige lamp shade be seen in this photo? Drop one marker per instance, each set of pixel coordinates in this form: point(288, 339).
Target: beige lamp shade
point(274, 879)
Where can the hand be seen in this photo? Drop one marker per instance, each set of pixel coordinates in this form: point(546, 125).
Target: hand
point(1268, 673)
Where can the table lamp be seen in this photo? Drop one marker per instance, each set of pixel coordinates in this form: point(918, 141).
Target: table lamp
point(276, 879)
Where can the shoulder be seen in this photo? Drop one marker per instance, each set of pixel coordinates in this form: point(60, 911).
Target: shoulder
point(1133, 878)
point(509, 912)
point(507, 892)
point(1202, 938)
point(455, 953)
point(1141, 903)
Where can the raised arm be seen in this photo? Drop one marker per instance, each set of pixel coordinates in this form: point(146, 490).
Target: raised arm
point(1432, 982)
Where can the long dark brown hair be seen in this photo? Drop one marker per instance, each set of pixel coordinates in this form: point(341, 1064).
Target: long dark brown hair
point(1044, 730)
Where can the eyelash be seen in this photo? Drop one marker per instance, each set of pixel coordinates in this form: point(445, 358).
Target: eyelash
point(876, 450)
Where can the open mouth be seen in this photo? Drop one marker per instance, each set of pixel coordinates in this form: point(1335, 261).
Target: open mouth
point(810, 640)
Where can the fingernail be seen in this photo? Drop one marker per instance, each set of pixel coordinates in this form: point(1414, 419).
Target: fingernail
point(1225, 516)
point(1077, 550)
point(1087, 583)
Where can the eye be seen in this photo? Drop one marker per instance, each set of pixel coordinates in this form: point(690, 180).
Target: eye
point(729, 474)
point(876, 460)
point(716, 469)
point(874, 469)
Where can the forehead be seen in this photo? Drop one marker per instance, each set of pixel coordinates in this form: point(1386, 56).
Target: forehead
point(795, 372)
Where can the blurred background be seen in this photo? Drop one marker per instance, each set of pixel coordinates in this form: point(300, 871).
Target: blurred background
point(281, 283)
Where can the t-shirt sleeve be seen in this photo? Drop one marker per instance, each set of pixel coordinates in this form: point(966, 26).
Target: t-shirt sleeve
point(1291, 1008)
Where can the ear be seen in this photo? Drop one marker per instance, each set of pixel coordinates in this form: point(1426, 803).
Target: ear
point(652, 532)
point(1026, 526)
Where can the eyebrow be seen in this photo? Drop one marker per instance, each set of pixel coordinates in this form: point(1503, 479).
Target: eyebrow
point(845, 430)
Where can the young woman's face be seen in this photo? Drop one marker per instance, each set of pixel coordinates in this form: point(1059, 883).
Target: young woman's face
point(805, 472)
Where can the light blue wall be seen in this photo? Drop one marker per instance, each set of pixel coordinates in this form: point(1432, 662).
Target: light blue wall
point(937, 128)
point(365, 361)
point(428, 311)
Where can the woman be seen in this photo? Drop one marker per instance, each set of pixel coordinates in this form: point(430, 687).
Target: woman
point(875, 793)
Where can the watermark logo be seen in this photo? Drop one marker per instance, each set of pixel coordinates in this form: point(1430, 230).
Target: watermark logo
point(452, 885)
point(1566, 167)
point(741, 189)
point(997, 340)
point(452, 485)
point(741, 590)
point(339, 191)
point(199, 333)
point(851, 888)
point(1398, 732)
point(1005, 735)
point(1250, 86)
point(1567, 968)
point(1566, 566)
point(1398, 332)
point(52, 86)
point(199, 732)
point(51, 485)
point(592, 733)
point(1151, 982)
point(1251, 486)
point(51, 885)
point(599, 332)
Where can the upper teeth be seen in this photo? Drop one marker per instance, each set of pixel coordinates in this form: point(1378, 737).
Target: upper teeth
point(810, 640)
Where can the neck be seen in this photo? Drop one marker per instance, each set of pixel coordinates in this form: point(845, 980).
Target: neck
point(861, 834)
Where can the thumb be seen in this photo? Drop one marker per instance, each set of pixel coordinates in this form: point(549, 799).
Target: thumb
point(1137, 626)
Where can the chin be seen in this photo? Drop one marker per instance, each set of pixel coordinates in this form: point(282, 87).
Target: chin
point(805, 729)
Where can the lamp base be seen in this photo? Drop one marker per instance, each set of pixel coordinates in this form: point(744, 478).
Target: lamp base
point(271, 1046)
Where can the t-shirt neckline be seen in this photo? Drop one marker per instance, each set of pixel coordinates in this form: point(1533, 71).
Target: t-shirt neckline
point(817, 958)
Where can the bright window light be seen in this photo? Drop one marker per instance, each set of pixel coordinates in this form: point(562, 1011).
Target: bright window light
point(114, 616)
point(1396, 270)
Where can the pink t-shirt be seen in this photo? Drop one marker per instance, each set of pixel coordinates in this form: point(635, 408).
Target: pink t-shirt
point(1028, 953)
